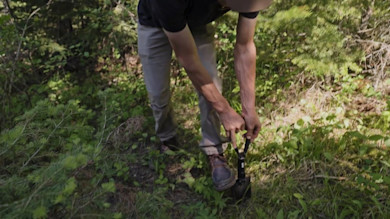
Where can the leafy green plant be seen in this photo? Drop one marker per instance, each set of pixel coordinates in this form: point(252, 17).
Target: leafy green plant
point(76, 129)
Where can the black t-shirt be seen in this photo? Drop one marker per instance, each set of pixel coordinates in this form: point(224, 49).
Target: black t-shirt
point(173, 15)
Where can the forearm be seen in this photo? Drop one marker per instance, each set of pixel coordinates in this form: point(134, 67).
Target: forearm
point(245, 67)
point(185, 49)
point(184, 46)
point(202, 81)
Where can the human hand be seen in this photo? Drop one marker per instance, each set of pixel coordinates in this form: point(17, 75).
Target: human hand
point(252, 125)
point(233, 123)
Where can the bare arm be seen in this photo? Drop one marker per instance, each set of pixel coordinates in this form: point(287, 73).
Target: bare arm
point(184, 46)
point(185, 49)
point(245, 67)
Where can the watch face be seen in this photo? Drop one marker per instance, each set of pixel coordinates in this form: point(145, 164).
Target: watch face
point(247, 5)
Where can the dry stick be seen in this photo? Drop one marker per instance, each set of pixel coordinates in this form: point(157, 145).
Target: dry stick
point(365, 30)
point(339, 178)
point(11, 12)
point(112, 132)
point(20, 45)
point(384, 63)
point(383, 53)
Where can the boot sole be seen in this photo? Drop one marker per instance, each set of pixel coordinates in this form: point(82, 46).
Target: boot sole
point(228, 185)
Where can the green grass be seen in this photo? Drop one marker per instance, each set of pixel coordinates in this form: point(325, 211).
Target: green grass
point(314, 158)
point(84, 147)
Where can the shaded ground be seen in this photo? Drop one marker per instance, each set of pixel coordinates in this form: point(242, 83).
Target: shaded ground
point(306, 163)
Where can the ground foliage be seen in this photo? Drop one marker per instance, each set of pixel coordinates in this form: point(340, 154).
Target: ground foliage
point(76, 137)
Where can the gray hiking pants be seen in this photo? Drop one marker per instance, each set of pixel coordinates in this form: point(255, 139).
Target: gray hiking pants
point(156, 53)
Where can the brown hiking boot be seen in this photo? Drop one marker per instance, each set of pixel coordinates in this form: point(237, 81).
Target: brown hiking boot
point(223, 177)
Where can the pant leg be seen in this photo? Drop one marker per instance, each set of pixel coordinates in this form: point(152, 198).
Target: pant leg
point(156, 53)
point(212, 141)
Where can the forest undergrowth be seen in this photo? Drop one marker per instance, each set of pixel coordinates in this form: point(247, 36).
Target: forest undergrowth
point(77, 135)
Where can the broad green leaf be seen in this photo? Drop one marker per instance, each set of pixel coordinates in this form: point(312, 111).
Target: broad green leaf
point(303, 204)
point(40, 212)
point(59, 199)
point(328, 156)
point(358, 203)
point(357, 135)
point(236, 90)
point(109, 186)
point(188, 179)
point(316, 202)
point(170, 153)
point(117, 215)
point(70, 162)
point(298, 196)
point(70, 186)
point(293, 214)
point(375, 137)
point(81, 159)
point(376, 176)
point(280, 214)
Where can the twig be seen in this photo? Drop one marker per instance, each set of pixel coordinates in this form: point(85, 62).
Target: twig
point(20, 45)
point(373, 42)
point(340, 178)
point(11, 12)
point(366, 30)
point(117, 128)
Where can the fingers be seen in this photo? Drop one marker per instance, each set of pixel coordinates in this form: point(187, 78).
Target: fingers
point(231, 134)
point(233, 123)
point(242, 127)
point(249, 134)
point(256, 132)
point(252, 132)
point(233, 138)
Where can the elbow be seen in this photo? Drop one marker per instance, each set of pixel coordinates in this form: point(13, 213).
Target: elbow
point(188, 62)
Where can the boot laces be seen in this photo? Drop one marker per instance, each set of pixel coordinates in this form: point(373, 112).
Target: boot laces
point(215, 158)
